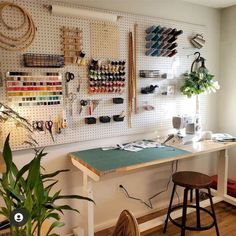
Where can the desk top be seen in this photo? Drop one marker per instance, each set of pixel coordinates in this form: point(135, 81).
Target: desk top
point(103, 162)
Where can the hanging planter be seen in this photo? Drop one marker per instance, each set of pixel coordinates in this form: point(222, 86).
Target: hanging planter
point(198, 81)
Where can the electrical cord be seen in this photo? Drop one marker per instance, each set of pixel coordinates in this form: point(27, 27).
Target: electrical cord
point(174, 168)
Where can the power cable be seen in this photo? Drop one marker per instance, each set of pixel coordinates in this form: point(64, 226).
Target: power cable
point(174, 168)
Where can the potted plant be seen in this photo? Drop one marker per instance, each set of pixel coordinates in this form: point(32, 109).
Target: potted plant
point(29, 188)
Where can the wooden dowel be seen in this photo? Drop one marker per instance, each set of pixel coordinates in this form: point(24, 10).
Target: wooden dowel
point(135, 69)
point(131, 80)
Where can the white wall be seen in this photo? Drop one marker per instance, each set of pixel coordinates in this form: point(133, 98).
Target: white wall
point(109, 200)
point(227, 96)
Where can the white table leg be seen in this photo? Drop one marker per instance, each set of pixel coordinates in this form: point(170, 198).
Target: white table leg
point(89, 206)
point(222, 173)
point(223, 164)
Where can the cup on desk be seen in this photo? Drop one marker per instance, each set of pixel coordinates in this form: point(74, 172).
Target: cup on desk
point(206, 135)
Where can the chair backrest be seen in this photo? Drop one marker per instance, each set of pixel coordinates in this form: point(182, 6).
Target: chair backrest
point(126, 225)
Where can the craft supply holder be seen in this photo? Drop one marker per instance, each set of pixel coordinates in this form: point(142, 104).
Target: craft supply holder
point(107, 78)
point(43, 60)
point(34, 90)
point(71, 44)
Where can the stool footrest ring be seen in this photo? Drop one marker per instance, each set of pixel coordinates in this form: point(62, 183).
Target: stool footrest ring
point(192, 228)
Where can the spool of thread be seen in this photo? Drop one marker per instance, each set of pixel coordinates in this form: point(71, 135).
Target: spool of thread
point(82, 54)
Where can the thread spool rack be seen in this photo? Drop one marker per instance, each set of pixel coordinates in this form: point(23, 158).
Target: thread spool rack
point(71, 44)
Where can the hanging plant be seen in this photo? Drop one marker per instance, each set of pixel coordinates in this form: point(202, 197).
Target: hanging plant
point(199, 80)
point(196, 83)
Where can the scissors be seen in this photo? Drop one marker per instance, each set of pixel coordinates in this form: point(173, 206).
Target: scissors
point(79, 84)
point(38, 125)
point(69, 76)
point(48, 126)
point(72, 97)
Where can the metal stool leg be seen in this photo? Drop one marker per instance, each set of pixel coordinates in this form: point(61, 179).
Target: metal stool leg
point(198, 209)
point(169, 209)
point(184, 211)
point(213, 212)
point(191, 195)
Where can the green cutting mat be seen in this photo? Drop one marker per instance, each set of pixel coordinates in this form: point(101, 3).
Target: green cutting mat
point(114, 159)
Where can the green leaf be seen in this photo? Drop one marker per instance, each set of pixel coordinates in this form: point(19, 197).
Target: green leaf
point(39, 191)
point(53, 174)
point(49, 187)
point(54, 225)
point(7, 153)
point(15, 194)
point(5, 212)
point(22, 172)
point(65, 207)
point(52, 215)
point(28, 204)
point(34, 170)
point(74, 197)
point(33, 174)
point(60, 208)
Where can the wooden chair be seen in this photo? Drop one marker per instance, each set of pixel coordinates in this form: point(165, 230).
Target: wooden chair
point(126, 225)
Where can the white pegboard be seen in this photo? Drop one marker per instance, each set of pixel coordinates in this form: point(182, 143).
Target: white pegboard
point(48, 40)
point(104, 40)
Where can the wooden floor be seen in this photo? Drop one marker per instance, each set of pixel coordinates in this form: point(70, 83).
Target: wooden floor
point(226, 217)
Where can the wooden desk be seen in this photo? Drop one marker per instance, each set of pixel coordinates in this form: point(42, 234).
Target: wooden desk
point(90, 163)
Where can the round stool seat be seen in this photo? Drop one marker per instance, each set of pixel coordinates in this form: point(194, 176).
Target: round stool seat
point(191, 179)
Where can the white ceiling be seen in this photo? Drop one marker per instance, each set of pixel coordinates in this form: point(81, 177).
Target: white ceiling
point(213, 3)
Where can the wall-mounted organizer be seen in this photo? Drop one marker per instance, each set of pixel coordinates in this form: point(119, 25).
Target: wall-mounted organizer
point(118, 118)
point(198, 41)
point(161, 41)
point(24, 89)
point(90, 120)
point(105, 119)
point(118, 100)
point(43, 60)
point(48, 40)
point(72, 45)
point(106, 77)
point(152, 74)
point(149, 89)
point(149, 74)
point(163, 89)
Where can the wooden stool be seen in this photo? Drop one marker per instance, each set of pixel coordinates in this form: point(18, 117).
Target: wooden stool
point(191, 181)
